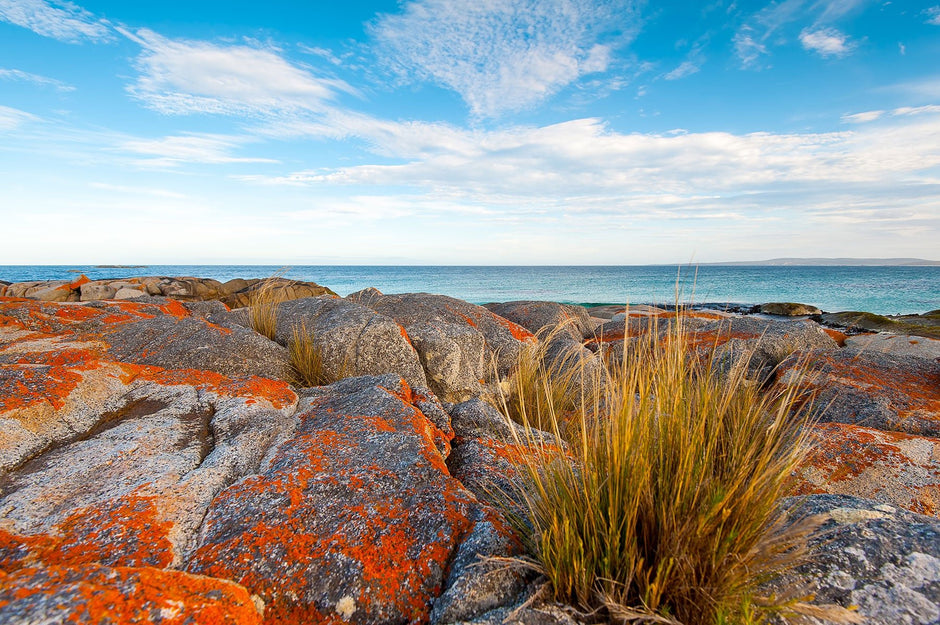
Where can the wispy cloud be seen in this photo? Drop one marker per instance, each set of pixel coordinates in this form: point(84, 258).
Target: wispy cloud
point(826, 42)
point(179, 76)
point(11, 118)
point(36, 79)
point(178, 150)
point(686, 68)
point(862, 118)
point(503, 55)
point(769, 26)
point(933, 15)
point(59, 20)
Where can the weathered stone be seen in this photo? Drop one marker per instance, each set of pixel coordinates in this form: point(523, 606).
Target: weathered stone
point(355, 517)
point(98, 594)
point(476, 583)
point(128, 293)
point(927, 325)
point(789, 309)
point(95, 291)
point(883, 391)
point(442, 328)
point(897, 344)
point(881, 559)
point(544, 317)
point(353, 340)
point(277, 289)
point(889, 467)
point(236, 285)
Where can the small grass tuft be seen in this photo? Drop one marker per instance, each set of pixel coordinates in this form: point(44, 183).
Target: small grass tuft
point(308, 367)
point(664, 509)
point(262, 312)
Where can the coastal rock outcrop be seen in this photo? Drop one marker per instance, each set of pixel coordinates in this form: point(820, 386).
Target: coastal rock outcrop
point(871, 389)
point(883, 561)
point(462, 347)
point(788, 309)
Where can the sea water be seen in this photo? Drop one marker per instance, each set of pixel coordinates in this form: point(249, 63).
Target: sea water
point(882, 290)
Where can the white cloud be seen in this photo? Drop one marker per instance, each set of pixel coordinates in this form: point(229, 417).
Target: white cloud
point(191, 148)
point(503, 55)
point(36, 79)
point(747, 48)
point(826, 42)
point(11, 118)
point(686, 68)
point(933, 15)
point(584, 167)
point(60, 20)
point(862, 118)
point(180, 77)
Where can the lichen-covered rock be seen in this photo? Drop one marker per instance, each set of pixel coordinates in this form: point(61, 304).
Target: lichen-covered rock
point(355, 518)
point(881, 559)
point(889, 467)
point(927, 325)
point(883, 391)
point(789, 309)
point(353, 340)
point(35, 595)
point(278, 289)
point(539, 317)
point(159, 332)
point(897, 344)
point(759, 344)
point(444, 331)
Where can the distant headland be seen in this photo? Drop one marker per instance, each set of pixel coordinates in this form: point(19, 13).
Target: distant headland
point(842, 262)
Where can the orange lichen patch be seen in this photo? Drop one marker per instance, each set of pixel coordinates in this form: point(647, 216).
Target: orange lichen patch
point(100, 594)
point(77, 313)
point(404, 334)
point(44, 377)
point(276, 392)
point(175, 309)
point(74, 285)
point(124, 532)
point(715, 338)
point(517, 331)
point(838, 337)
point(607, 336)
point(337, 516)
point(891, 467)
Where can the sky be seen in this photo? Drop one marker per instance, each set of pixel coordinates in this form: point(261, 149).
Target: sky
point(484, 132)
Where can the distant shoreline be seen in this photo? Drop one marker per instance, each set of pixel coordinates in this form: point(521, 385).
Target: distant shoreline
point(831, 262)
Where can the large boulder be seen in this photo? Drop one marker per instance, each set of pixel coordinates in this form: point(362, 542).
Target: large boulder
point(541, 317)
point(902, 470)
point(871, 389)
point(353, 340)
point(789, 309)
point(927, 325)
point(883, 561)
point(274, 289)
point(897, 344)
point(462, 346)
point(355, 517)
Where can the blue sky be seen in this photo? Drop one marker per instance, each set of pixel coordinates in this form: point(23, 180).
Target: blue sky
point(468, 132)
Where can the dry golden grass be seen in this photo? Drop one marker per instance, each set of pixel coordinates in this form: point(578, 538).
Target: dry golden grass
point(306, 360)
point(262, 312)
point(665, 508)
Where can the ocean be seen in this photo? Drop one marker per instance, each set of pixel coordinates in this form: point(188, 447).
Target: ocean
point(882, 290)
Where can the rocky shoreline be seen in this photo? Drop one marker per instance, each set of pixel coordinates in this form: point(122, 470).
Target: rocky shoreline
point(156, 464)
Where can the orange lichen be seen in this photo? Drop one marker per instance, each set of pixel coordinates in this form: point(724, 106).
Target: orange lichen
point(837, 336)
point(517, 331)
point(99, 594)
point(49, 377)
point(277, 392)
point(76, 284)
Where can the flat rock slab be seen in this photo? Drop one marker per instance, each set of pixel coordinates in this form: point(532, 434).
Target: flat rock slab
point(902, 470)
point(876, 390)
point(881, 559)
point(897, 344)
point(355, 518)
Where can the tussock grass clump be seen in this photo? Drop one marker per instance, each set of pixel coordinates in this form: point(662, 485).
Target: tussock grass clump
point(666, 509)
point(307, 364)
point(262, 312)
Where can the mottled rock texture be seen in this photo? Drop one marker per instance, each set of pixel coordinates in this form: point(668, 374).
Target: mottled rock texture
point(461, 346)
point(876, 390)
point(881, 559)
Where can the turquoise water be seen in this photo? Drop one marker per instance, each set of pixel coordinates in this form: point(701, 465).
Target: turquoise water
point(882, 290)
